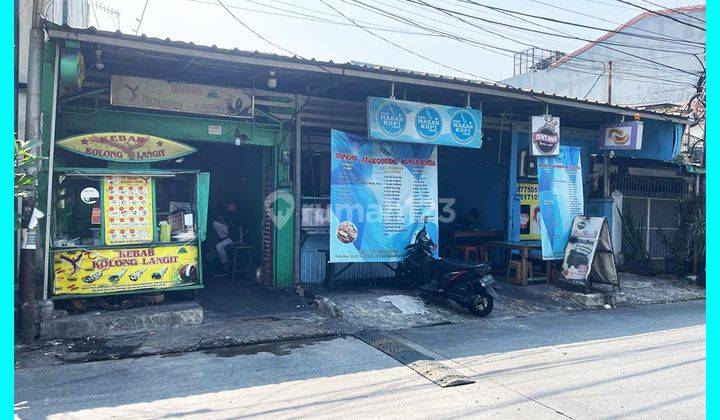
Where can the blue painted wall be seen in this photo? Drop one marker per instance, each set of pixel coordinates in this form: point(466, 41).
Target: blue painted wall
point(475, 179)
point(661, 141)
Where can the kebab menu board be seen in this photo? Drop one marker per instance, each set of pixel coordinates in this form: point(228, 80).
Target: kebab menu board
point(86, 272)
point(380, 194)
point(128, 210)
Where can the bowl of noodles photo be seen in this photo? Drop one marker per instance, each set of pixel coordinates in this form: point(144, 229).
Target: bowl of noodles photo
point(346, 232)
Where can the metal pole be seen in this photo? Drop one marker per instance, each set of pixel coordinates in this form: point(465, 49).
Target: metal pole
point(606, 174)
point(606, 157)
point(51, 168)
point(297, 171)
point(610, 82)
point(26, 330)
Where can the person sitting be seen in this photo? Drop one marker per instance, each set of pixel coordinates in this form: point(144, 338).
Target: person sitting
point(469, 221)
point(230, 233)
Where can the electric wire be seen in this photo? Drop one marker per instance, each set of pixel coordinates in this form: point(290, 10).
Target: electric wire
point(306, 17)
point(386, 13)
point(553, 34)
point(602, 19)
point(599, 41)
point(403, 48)
point(92, 5)
point(495, 32)
point(593, 85)
point(142, 16)
point(661, 14)
point(579, 25)
point(676, 10)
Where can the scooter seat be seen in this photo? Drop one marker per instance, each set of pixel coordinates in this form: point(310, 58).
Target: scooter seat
point(450, 264)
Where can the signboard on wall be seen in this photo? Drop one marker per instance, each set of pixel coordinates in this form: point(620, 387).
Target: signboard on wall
point(529, 211)
point(560, 191)
point(380, 193)
point(99, 271)
point(621, 136)
point(125, 147)
point(128, 210)
point(589, 251)
point(141, 92)
point(544, 135)
point(414, 122)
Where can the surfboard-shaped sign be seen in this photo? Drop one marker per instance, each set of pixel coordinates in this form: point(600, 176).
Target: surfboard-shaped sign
point(125, 147)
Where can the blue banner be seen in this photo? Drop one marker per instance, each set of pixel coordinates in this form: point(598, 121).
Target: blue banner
point(414, 122)
point(380, 194)
point(560, 191)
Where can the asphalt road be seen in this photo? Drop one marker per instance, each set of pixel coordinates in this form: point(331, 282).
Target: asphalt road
point(644, 362)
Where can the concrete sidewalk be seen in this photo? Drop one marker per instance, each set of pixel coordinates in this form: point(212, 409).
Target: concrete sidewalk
point(393, 309)
point(224, 315)
point(260, 315)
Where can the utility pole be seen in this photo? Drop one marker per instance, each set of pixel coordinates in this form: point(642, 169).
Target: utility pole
point(610, 64)
point(26, 330)
point(606, 155)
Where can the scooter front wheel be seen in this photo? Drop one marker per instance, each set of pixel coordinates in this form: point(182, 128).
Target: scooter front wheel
point(480, 304)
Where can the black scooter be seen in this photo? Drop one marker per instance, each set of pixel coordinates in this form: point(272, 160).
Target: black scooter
point(469, 285)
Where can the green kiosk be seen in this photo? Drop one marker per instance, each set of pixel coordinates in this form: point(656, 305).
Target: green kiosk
point(123, 227)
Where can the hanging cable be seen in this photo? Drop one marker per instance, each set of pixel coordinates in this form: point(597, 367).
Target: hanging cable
point(676, 10)
point(142, 16)
point(579, 25)
point(603, 44)
point(595, 83)
point(403, 48)
point(602, 19)
point(661, 14)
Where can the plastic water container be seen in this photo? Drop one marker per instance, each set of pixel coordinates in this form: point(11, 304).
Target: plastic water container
point(164, 231)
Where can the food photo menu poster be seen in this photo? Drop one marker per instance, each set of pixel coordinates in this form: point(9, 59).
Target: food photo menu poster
point(128, 210)
point(380, 194)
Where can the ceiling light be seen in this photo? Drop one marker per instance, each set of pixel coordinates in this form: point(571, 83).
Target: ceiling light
point(272, 81)
point(98, 60)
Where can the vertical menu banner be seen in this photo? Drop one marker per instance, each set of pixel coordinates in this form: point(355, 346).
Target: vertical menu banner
point(128, 209)
point(560, 192)
point(380, 194)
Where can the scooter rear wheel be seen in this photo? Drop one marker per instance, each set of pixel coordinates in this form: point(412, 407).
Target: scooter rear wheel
point(480, 304)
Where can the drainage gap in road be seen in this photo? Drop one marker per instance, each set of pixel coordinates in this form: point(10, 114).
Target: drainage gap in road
point(421, 363)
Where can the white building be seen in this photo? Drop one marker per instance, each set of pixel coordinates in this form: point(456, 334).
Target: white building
point(656, 61)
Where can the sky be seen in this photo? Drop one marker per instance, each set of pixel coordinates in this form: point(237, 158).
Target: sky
point(324, 29)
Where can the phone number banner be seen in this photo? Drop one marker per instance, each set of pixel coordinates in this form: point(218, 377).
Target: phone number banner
point(414, 122)
point(380, 194)
point(560, 192)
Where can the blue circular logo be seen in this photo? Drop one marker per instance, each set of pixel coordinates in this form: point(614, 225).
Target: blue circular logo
point(391, 119)
point(428, 123)
point(463, 126)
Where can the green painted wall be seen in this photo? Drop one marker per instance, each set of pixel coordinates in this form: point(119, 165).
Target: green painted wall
point(76, 120)
point(283, 264)
point(72, 121)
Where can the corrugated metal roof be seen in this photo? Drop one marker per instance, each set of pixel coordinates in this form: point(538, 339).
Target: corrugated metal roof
point(54, 30)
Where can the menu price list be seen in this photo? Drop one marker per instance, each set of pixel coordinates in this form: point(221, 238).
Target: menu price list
point(128, 210)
